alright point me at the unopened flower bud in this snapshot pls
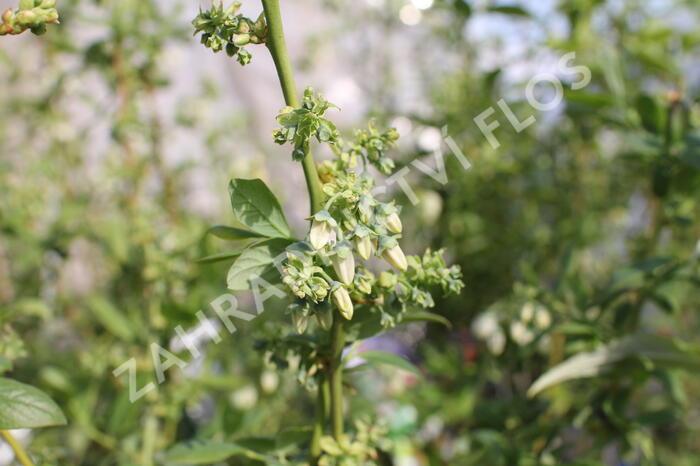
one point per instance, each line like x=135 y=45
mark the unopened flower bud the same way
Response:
x=365 y=208
x=341 y=298
x=387 y=279
x=233 y=8
x=8 y=15
x=26 y=17
x=363 y=284
x=26 y=4
x=364 y=247
x=325 y=318
x=48 y=3
x=244 y=28
x=239 y=40
x=300 y=322
x=393 y=223
x=344 y=263
x=396 y=257
x=321 y=228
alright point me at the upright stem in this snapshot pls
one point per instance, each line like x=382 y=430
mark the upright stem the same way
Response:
x=20 y=454
x=319 y=422
x=278 y=50
x=336 y=376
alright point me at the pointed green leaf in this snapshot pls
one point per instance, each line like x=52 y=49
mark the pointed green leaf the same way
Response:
x=425 y=316
x=256 y=261
x=232 y=233
x=111 y=318
x=390 y=359
x=222 y=256
x=206 y=452
x=23 y=406
x=257 y=208
x=509 y=10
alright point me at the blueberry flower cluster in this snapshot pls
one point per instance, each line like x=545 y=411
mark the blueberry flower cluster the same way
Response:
x=299 y=124
x=224 y=29
x=31 y=14
x=353 y=227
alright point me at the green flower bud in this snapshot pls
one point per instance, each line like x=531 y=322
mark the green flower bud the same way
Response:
x=239 y=40
x=243 y=57
x=387 y=279
x=233 y=8
x=393 y=223
x=396 y=257
x=300 y=321
x=26 y=4
x=344 y=263
x=48 y=3
x=8 y=15
x=243 y=28
x=365 y=208
x=26 y=17
x=342 y=300
x=324 y=318
x=363 y=283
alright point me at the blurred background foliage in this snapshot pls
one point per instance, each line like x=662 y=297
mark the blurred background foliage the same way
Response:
x=118 y=136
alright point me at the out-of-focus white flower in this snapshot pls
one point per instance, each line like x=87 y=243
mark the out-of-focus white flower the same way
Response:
x=542 y=318
x=496 y=342
x=269 y=381
x=485 y=325
x=520 y=333
x=527 y=312
x=245 y=398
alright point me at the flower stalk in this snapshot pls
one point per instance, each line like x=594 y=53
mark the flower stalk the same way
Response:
x=278 y=49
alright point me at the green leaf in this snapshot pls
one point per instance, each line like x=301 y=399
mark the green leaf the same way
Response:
x=256 y=261
x=23 y=406
x=390 y=359
x=5 y=364
x=257 y=208
x=232 y=233
x=262 y=445
x=509 y=10
x=111 y=318
x=206 y=452
x=649 y=113
x=425 y=316
x=654 y=349
x=222 y=256
x=292 y=436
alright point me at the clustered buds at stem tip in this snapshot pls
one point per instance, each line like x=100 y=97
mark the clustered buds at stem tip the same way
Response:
x=341 y=298
x=31 y=14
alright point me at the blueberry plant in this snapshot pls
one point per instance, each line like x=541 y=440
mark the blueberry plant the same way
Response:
x=339 y=291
